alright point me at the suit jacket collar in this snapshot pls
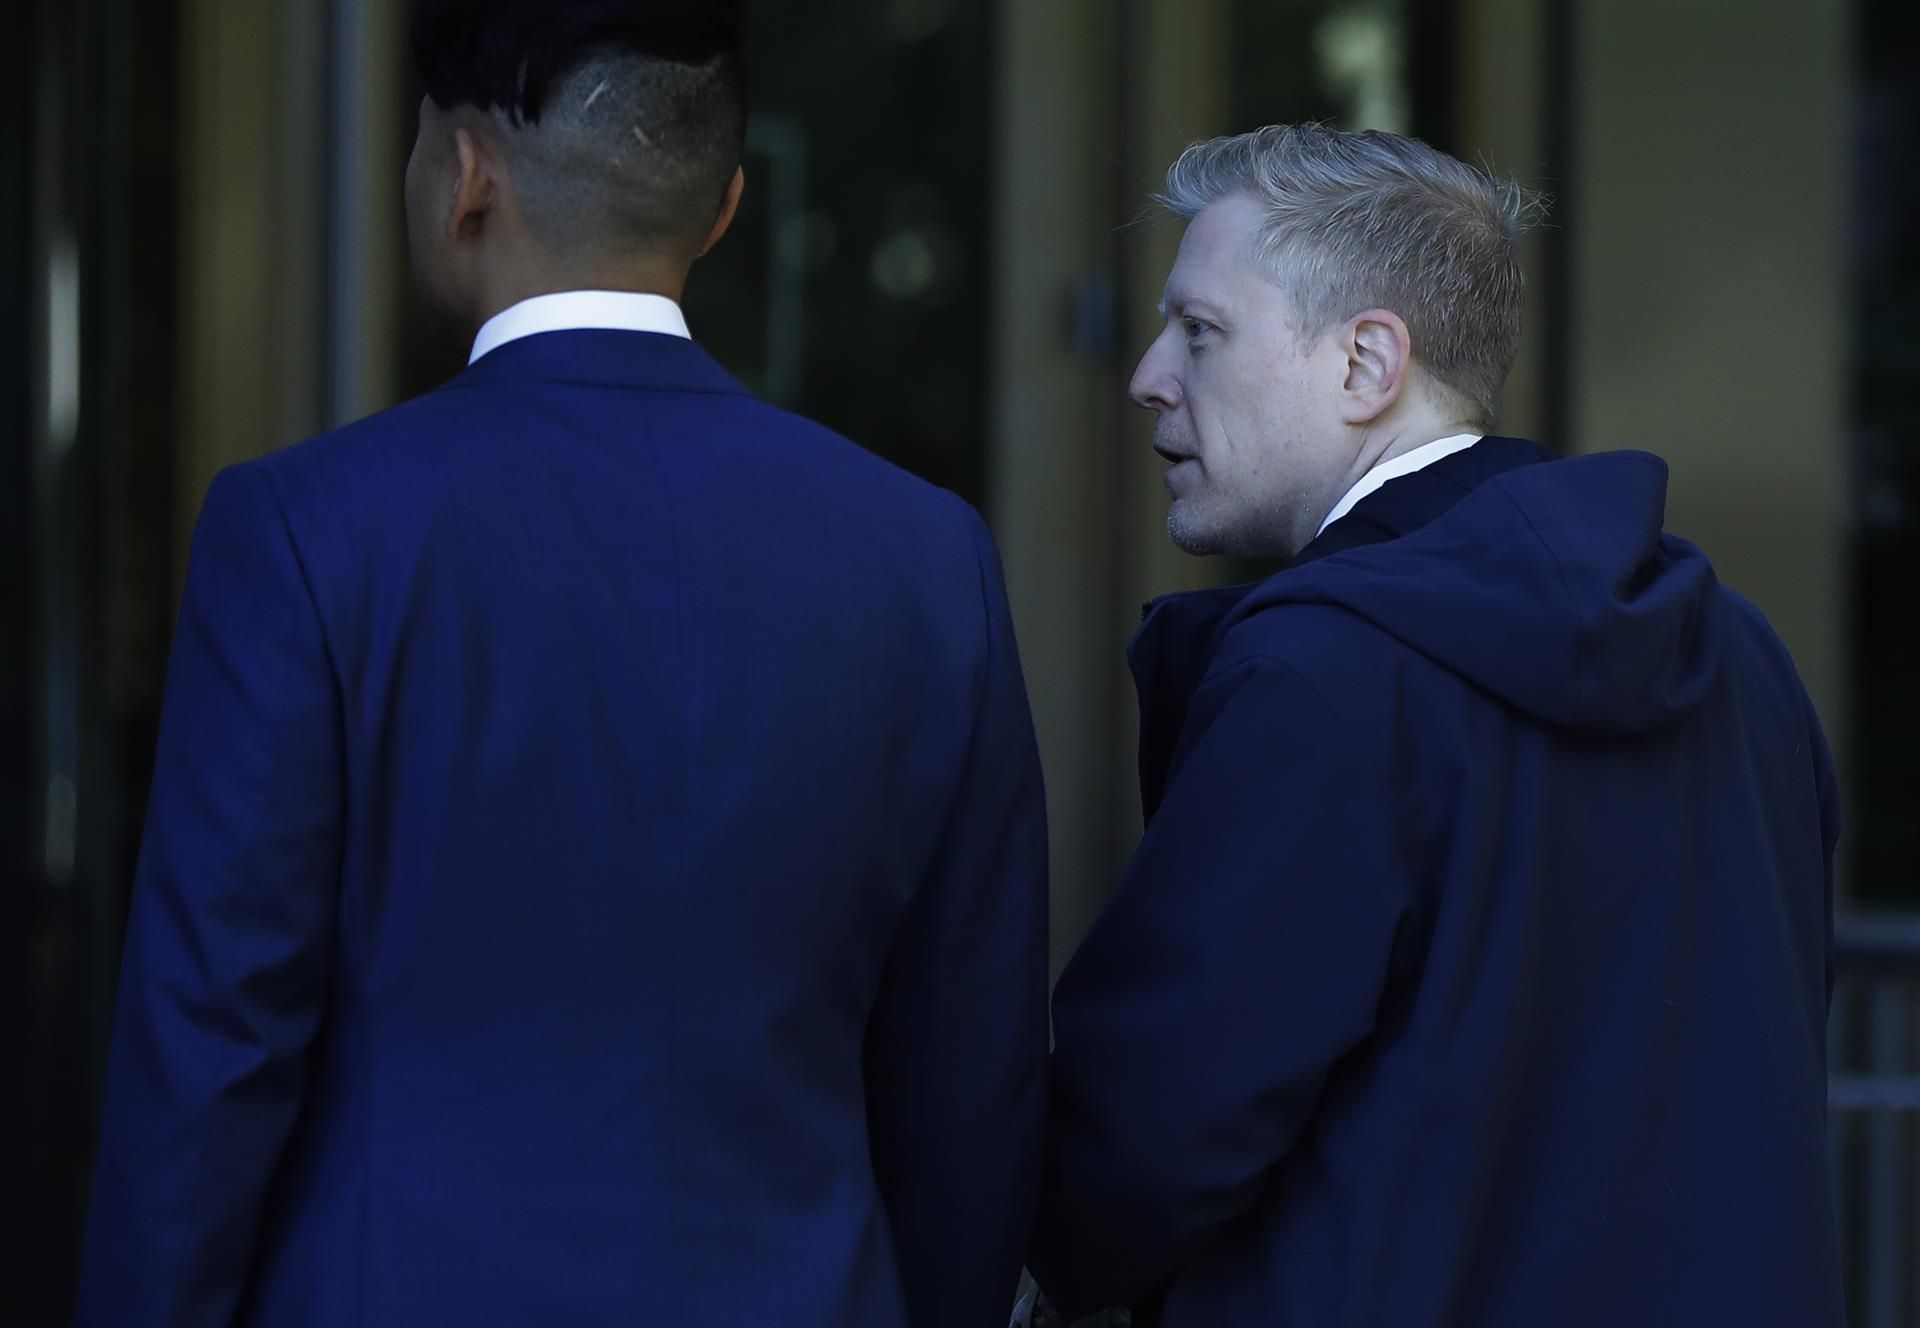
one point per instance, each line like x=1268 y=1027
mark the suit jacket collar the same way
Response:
x=643 y=361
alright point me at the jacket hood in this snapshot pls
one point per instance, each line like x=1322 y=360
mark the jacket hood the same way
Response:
x=1551 y=586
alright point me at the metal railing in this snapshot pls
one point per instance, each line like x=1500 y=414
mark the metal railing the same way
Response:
x=1874 y=1116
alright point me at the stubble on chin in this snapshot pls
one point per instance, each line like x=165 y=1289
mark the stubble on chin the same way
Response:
x=1190 y=532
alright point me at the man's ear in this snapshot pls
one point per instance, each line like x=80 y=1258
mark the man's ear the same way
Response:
x=729 y=207
x=1379 y=356
x=475 y=186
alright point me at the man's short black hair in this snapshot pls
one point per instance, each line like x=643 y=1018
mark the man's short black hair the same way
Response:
x=626 y=118
x=508 y=54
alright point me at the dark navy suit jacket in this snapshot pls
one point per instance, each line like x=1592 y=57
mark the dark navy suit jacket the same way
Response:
x=1474 y=967
x=595 y=875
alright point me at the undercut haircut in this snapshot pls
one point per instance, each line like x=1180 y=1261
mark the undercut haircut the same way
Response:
x=623 y=121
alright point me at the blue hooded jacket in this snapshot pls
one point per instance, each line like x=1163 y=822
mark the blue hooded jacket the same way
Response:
x=1474 y=967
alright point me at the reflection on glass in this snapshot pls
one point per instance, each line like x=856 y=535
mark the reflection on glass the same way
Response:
x=1361 y=55
x=853 y=286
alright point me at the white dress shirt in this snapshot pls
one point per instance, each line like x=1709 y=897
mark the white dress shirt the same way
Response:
x=587 y=310
x=1404 y=464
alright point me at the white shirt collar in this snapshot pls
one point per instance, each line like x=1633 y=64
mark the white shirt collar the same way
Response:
x=1404 y=464
x=586 y=310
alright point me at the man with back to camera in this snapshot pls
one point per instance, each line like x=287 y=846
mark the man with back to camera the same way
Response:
x=1474 y=967
x=596 y=865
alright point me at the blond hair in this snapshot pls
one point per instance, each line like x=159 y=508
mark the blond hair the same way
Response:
x=1367 y=220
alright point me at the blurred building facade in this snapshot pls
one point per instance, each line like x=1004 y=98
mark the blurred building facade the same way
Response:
x=947 y=255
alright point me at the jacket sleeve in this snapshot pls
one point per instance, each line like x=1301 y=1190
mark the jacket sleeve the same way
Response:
x=1244 y=953
x=224 y=975
x=957 y=1046
x=1827 y=786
